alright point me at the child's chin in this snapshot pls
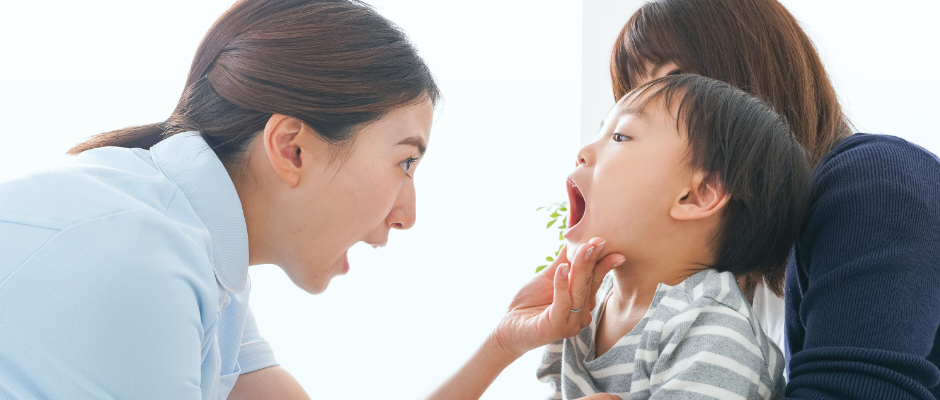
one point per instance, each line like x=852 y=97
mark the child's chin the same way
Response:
x=572 y=249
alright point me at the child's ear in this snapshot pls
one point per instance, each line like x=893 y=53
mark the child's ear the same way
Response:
x=702 y=198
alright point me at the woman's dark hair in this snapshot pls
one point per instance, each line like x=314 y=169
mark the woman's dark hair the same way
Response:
x=333 y=64
x=755 y=45
x=742 y=145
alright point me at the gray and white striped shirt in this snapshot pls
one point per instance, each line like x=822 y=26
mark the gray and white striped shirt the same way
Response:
x=698 y=340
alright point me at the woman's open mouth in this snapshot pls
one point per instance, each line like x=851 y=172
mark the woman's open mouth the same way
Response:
x=575 y=205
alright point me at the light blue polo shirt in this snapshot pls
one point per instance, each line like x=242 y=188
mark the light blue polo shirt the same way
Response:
x=124 y=274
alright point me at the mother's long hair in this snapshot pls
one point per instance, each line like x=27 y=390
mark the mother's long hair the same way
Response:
x=333 y=64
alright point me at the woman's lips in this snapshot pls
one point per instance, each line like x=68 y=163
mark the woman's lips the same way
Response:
x=345 y=264
x=575 y=206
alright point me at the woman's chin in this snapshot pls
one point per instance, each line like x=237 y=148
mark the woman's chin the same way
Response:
x=313 y=286
x=314 y=278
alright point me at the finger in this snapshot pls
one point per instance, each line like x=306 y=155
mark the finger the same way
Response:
x=549 y=271
x=587 y=292
x=562 y=256
x=561 y=300
x=580 y=277
x=601 y=396
x=605 y=265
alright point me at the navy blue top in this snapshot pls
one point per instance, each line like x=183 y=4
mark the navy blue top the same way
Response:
x=863 y=284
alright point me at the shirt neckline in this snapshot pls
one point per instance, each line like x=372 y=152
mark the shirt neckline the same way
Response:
x=188 y=161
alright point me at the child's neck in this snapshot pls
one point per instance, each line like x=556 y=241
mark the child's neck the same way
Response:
x=634 y=286
x=635 y=283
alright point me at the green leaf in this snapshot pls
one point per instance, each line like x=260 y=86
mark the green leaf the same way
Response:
x=555 y=215
x=540 y=268
x=563 y=208
x=550 y=223
x=539 y=209
x=550 y=259
x=561 y=235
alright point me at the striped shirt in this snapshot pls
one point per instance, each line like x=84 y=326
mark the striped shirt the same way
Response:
x=698 y=340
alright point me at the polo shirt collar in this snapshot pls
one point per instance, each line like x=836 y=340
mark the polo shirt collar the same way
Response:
x=188 y=161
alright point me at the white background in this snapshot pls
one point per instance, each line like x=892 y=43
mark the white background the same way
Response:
x=409 y=314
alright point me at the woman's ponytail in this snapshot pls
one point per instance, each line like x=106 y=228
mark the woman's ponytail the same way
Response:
x=333 y=64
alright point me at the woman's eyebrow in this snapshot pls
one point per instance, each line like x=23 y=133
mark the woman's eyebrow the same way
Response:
x=415 y=141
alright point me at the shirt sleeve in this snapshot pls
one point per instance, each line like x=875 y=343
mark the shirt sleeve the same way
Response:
x=717 y=354
x=550 y=369
x=255 y=352
x=868 y=266
x=109 y=308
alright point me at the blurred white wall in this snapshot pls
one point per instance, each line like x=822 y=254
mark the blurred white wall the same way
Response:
x=513 y=76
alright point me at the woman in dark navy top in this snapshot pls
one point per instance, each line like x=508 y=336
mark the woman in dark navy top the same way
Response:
x=863 y=284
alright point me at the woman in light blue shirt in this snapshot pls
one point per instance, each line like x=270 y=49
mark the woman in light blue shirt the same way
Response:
x=124 y=274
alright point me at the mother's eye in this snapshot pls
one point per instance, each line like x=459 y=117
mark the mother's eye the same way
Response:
x=617 y=137
x=675 y=72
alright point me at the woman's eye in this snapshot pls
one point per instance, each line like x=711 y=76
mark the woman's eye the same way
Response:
x=620 y=138
x=675 y=72
x=408 y=163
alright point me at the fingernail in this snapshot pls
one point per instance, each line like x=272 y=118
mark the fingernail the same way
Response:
x=587 y=254
x=618 y=263
x=600 y=246
x=564 y=269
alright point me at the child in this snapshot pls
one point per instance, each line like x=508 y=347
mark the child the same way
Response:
x=694 y=182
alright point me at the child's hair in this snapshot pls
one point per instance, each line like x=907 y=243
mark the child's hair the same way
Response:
x=744 y=146
x=756 y=45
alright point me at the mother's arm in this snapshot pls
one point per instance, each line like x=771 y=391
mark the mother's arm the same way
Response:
x=539 y=315
x=867 y=287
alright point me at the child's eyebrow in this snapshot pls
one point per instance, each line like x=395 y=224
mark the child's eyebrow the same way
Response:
x=629 y=109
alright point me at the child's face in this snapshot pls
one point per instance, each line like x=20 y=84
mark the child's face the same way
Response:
x=626 y=182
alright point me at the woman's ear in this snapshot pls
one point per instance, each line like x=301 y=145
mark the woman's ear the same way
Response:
x=282 y=143
x=703 y=197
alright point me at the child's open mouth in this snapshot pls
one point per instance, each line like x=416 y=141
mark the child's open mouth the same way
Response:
x=575 y=205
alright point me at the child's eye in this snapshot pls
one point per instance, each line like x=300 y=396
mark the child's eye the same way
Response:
x=408 y=163
x=617 y=137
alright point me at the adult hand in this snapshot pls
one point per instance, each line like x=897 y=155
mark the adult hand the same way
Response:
x=541 y=312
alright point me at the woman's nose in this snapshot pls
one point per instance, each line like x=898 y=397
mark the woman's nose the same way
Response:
x=403 y=213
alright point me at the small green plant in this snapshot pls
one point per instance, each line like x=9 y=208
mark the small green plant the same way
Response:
x=557 y=211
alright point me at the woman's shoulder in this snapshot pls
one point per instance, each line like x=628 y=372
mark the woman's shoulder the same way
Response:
x=866 y=156
x=109 y=204
x=93 y=185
